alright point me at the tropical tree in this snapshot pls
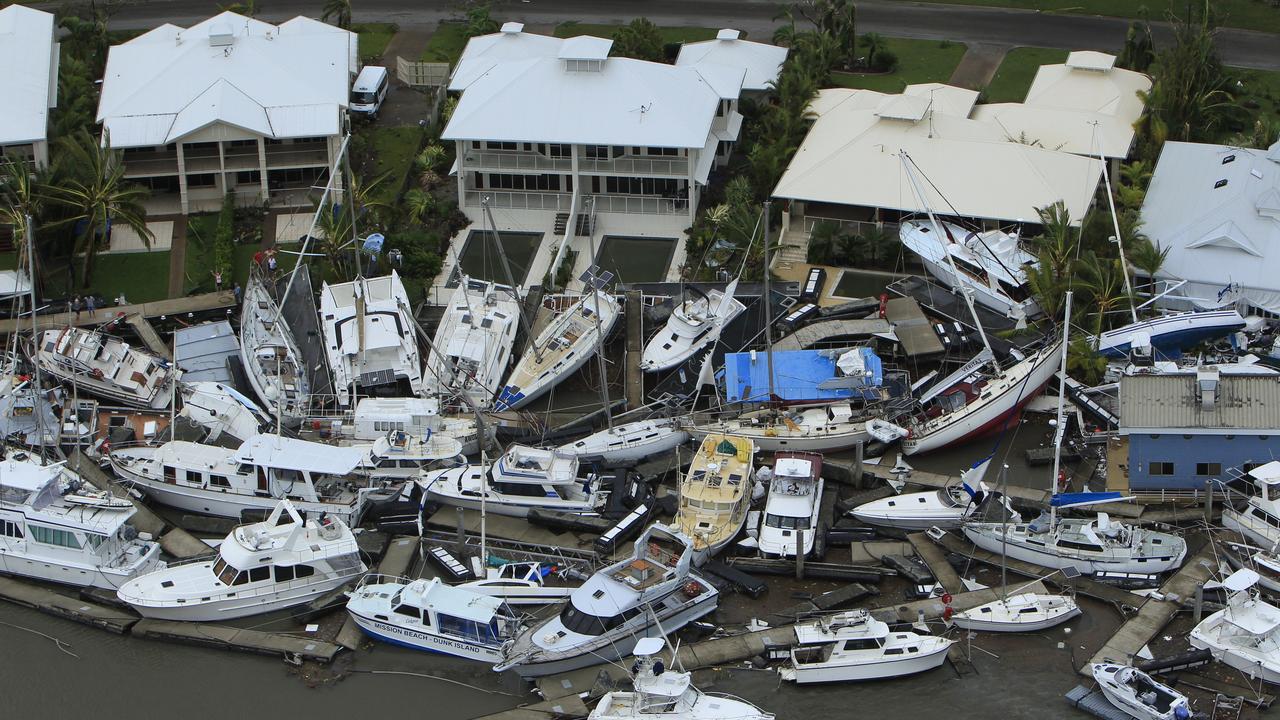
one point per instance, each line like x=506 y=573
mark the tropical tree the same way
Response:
x=339 y=11
x=639 y=39
x=22 y=195
x=825 y=243
x=1102 y=281
x=96 y=195
x=1131 y=189
x=338 y=225
x=837 y=18
x=479 y=20
x=418 y=204
x=1083 y=362
x=1145 y=256
x=87 y=38
x=1139 y=48
x=1264 y=133
x=785 y=35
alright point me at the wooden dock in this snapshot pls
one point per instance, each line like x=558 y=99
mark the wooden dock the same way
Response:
x=71 y=608
x=149 y=336
x=172 y=307
x=933 y=556
x=1155 y=613
x=635 y=349
x=232 y=638
x=913 y=329
x=820 y=331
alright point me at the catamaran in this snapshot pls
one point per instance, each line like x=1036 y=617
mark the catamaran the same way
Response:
x=560 y=349
x=261 y=567
x=270 y=356
x=472 y=345
x=991 y=264
x=53 y=527
x=369 y=338
x=107 y=366
x=694 y=323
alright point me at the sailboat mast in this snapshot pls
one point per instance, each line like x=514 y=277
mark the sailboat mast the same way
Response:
x=1004 y=530
x=768 y=304
x=1058 y=419
x=506 y=269
x=1115 y=225
x=965 y=292
x=35 y=331
x=604 y=378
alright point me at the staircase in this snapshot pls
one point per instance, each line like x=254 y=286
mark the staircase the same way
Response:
x=793 y=249
x=583 y=228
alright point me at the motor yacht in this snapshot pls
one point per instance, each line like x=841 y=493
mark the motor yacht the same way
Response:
x=715 y=494
x=852 y=645
x=694 y=323
x=261 y=567
x=1258 y=517
x=664 y=693
x=793 y=507
x=398 y=455
x=269 y=354
x=369 y=338
x=107 y=366
x=522 y=583
x=472 y=344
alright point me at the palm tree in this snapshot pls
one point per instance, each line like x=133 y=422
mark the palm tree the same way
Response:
x=96 y=195
x=1103 y=281
x=340 y=11
x=419 y=204
x=1059 y=244
x=785 y=35
x=874 y=44
x=21 y=195
x=824 y=243
x=1146 y=256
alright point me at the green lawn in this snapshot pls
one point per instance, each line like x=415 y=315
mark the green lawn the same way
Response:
x=919 y=61
x=373 y=39
x=1013 y=78
x=1261 y=87
x=446 y=43
x=142 y=276
x=393 y=150
x=669 y=34
x=1250 y=14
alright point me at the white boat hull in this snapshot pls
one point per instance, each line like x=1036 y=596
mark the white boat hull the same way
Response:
x=76 y=574
x=248 y=605
x=948 y=521
x=418 y=640
x=1252 y=528
x=1250 y=666
x=817 y=441
x=1052 y=560
x=807 y=674
x=616 y=448
x=1005 y=622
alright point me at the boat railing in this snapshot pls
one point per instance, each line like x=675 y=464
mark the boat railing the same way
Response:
x=376 y=578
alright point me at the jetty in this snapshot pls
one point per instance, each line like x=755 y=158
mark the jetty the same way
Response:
x=913 y=329
x=75 y=609
x=173 y=307
x=823 y=331
x=232 y=638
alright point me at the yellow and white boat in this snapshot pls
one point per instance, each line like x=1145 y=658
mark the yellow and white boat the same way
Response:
x=715 y=494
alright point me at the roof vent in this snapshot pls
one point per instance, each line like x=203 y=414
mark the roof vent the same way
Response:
x=728 y=34
x=512 y=28
x=1229 y=158
x=1220 y=184
x=1207 y=387
x=221 y=35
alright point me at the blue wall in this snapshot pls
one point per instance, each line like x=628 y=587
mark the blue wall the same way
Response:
x=1186 y=451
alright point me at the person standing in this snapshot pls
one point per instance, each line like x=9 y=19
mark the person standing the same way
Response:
x=91 y=303
x=271 y=262
x=217 y=280
x=238 y=292
x=75 y=307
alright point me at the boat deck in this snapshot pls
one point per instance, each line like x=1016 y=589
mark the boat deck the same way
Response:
x=640 y=574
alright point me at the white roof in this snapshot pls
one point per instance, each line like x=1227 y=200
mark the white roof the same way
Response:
x=625 y=102
x=14 y=282
x=29 y=83
x=290 y=454
x=1218 y=235
x=851 y=157
x=290 y=80
x=760 y=62
x=485 y=51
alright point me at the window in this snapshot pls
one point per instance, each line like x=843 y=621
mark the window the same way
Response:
x=559 y=151
x=53 y=536
x=501 y=145
x=585 y=623
x=787 y=522
x=600 y=152
x=219 y=481
x=470 y=629
x=259 y=574
x=667 y=187
x=1160 y=469
x=202 y=180
x=862 y=644
x=302 y=571
x=662 y=151
x=408 y=611
x=169 y=474
x=1209 y=469
x=1073 y=545
x=524 y=182
x=11 y=529
x=245 y=177
x=284 y=573
x=192 y=477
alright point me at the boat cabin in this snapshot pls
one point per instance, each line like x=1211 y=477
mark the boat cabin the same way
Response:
x=447 y=611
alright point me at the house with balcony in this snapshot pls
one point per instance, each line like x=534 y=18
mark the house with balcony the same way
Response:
x=570 y=148
x=29 y=83
x=230 y=105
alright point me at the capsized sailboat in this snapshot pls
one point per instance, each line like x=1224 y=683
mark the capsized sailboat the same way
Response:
x=559 y=350
x=990 y=264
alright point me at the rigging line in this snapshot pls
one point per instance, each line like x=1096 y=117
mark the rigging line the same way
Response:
x=435 y=677
x=60 y=644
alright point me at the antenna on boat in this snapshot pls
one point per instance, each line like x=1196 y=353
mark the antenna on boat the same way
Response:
x=1058 y=417
x=506 y=269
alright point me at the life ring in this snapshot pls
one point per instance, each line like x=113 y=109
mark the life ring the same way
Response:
x=96 y=374
x=692 y=589
x=946 y=598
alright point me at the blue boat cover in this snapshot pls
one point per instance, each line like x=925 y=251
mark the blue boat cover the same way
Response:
x=1083 y=498
x=796 y=375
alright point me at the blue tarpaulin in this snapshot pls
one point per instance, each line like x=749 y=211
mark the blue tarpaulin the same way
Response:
x=1083 y=498
x=797 y=375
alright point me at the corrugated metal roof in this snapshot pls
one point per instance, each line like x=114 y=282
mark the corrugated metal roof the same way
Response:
x=1245 y=402
x=202 y=351
x=27 y=54
x=760 y=61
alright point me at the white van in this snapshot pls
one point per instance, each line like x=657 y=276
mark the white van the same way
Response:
x=369 y=91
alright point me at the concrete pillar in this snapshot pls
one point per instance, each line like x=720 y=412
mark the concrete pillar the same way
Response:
x=574 y=152
x=182 y=179
x=335 y=144
x=222 y=166
x=40 y=153
x=460 y=151
x=262 y=169
x=692 y=156
x=800 y=554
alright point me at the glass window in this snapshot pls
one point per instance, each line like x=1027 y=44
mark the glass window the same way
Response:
x=53 y=536
x=284 y=573
x=408 y=611
x=302 y=571
x=1163 y=469
x=219 y=481
x=259 y=574
x=1209 y=469
x=787 y=522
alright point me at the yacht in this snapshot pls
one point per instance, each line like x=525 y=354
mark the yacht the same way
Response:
x=261 y=567
x=398 y=455
x=1139 y=695
x=376 y=416
x=693 y=324
x=54 y=528
x=663 y=693
x=629 y=443
x=652 y=593
x=945 y=508
x=1258 y=518
x=852 y=645
x=794 y=505
x=228 y=482
x=1021 y=612
x=715 y=494
x=1246 y=633
x=1169 y=334
x=472 y=345
x=428 y=615
x=522 y=479
x=560 y=349
x=272 y=363
x=222 y=411
x=991 y=264
x=369 y=338
x=106 y=366
x=1264 y=562
x=1088 y=545
x=813 y=428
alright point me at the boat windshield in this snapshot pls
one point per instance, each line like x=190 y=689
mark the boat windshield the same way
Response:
x=228 y=574
x=787 y=522
x=950 y=497
x=584 y=623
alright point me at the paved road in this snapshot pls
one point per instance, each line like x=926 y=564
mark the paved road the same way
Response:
x=889 y=17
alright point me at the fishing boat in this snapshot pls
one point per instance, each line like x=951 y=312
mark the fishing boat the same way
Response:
x=222 y=411
x=1264 y=562
x=269 y=354
x=55 y=528
x=560 y=349
x=1246 y=633
x=1018 y=613
x=399 y=455
x=1169 y=334
x=472 y=344
x=264 y=469
x=944 y=508
x=629 y=443
x=791 y=513
x=521 y=583
x=651 y=593
x=852 y=645
x=694 y=323
x=991 y=264
x=1258 y=517
x=429 y=615
x=369 y=338
x=811 y=428
x=281 y=562
x=715 y=494
x=522 y=479
x=1138 y=694
x=107 y=366
x=664 y=693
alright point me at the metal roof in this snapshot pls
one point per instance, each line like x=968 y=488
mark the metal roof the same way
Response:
x=202 y=351
x=760 y=61
x=29 y=84
x=1172 y=402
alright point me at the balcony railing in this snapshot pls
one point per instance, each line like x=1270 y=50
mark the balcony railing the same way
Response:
x=520 y=200
x=476 y=160
x=640 y=204
x=298 y=156
x=150 y=164
x=674 y=167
